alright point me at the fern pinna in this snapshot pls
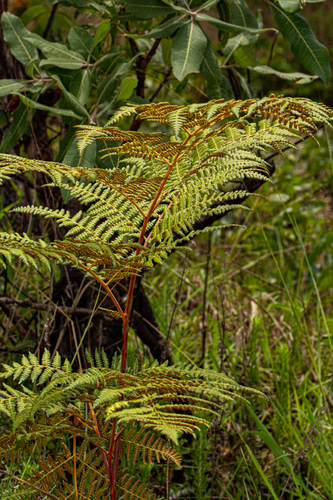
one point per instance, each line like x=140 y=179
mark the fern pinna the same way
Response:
x=132 y=217
x=102 y=407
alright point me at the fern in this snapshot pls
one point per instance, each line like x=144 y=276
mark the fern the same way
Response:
x=132 y=216
x=167 y=184
x=124 y=405
x=136 y=441
x=130 y=488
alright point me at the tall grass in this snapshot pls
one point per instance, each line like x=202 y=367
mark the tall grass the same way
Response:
x=268 y=322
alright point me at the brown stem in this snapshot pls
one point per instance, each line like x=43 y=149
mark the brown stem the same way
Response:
x=204 y=321
x=112 y=479
x=140 y=69
x=96 y=429
x=126 y=313
x=74 y=460
x=106 y=288
x=161 y=85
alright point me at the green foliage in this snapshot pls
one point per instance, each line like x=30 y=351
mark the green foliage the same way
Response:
x=164 y=398
x=307 y=49
x=140 y=212
x=137 y=213
x=165 y=47
x=273 y=335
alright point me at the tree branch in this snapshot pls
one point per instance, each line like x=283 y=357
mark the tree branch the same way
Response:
x=140 y=69
x=39 y=306
x=50 y=21
x=161 y=85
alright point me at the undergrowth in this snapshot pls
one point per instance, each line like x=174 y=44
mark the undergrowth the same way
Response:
x=155 y=212
x=268 y=318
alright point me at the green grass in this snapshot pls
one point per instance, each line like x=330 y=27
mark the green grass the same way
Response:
x=269 y=324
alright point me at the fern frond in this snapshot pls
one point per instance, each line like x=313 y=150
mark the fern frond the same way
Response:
x=130 y=488
x=144 y=442
x=122 y=112
x=38 y=372
x=12 y=494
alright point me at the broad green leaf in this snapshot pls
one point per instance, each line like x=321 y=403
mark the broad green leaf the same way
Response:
x=297 y=31
x=3 y=119
x=188 y=49
x=109 y=161
x=247 y=88
x=147 y=9
x=80 y=86
x=290 y=6
x=223 y=10
x=210 y=68
x=213 y=92
x=73 y=158
x=60 y=62
x=102 y=30
x=65 y=143
x=9 y=86
x=73 y=102
x=166 y=50
x=54 y=50
x=259 y=19
x=109 y=84
x=22 y=117
x=66 y=75
x=33 y=12
x=99 y=7
x=299 y=77
x=209 y=4
x=241 y=14
x=14 y=34
x=80 y=41
x=224 y=26
x=30 y=68
x=110 y=61
x=126 y=88
x=36 y=105
x=226 y=90
x=315 y=1
x=166 y=29
x=246 y=56
x=106 y=90
x=234 y=43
